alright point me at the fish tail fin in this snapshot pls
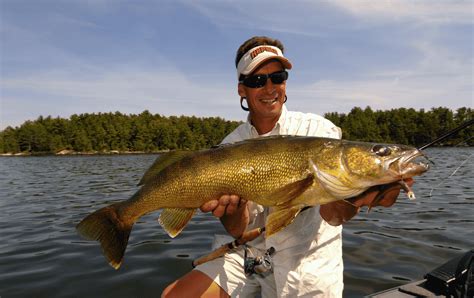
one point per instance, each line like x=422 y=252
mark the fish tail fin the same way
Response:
x=106 y=226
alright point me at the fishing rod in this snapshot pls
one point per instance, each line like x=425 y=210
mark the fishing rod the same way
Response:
x=448 y=134
x=246 y=237
x=253 y=234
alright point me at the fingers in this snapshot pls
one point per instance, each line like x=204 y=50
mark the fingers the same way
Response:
x=220 y=209
x=389 y=197
x=380 y=196
x=225 y=205
x=209 y=206
x=337 y=213
x=366 y=198
x=409 y=181
x=233 y=204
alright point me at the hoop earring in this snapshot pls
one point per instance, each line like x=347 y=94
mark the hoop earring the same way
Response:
x=286 y=98
x=242 y=104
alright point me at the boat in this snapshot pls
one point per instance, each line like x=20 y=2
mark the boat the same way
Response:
x=455 y=278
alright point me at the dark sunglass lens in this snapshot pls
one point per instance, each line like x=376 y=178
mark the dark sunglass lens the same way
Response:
x=255 y=81
x=279 y=77
x=258 y=81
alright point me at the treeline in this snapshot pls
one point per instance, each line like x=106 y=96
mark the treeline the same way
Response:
x=104 y=132
x=405 y=126
x=146 y=132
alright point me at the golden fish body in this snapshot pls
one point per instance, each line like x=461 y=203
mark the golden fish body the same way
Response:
x=286 y=173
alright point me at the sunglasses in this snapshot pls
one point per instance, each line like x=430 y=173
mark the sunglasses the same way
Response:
x=258 y=81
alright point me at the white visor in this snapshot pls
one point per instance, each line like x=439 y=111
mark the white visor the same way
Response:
x=256 y=56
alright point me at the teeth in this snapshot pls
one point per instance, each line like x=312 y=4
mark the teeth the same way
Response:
x=269 y=100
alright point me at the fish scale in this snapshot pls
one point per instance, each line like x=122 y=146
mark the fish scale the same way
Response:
x=286 y=173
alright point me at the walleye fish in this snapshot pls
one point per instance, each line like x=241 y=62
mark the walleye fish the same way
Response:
x=286 y=173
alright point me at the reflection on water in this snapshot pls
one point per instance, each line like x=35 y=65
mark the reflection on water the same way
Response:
x=43 y=198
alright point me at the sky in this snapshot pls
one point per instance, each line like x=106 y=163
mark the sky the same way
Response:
x=173 y=57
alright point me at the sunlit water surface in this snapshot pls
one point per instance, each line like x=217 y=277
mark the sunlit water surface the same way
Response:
x=43 y=198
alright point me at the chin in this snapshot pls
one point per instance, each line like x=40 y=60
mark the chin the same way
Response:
x=274 y=110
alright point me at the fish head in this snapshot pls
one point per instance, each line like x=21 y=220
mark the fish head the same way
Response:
x=368 y=164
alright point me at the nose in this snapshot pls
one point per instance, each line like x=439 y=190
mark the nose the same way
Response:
x=269 y=87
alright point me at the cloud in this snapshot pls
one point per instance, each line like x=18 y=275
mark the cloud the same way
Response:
x=433 y=11
x=384 y=91
x=290 y=18
x=63 y=20
x=385 y=54
x=126 y=90
x=440 y=77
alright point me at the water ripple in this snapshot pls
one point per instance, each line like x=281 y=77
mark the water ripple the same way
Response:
x=43 y=198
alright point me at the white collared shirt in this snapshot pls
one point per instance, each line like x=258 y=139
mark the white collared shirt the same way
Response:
x=308 y=258
x=289 y=123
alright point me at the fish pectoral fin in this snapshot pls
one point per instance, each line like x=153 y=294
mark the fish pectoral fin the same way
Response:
x=161 y=163
x=333 y=185
x=173 y=220
x=287 y=193
x=280 y=218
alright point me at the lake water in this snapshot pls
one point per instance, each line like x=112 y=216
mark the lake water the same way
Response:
x=43 y=198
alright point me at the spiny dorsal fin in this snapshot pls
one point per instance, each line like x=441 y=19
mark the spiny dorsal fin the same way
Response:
x=173 y=220
x=162 y=162
x=280 y=218
x=256 y=140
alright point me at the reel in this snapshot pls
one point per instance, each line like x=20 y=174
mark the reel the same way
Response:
x=261 y=265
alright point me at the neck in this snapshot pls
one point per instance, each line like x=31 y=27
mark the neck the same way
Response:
x=263 y=125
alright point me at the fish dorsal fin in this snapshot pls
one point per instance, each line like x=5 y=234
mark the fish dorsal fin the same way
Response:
x=162 y=162
x=259 y=139
x=289 y=192
x=280 y=218
x=173 y=220
x=333 y=185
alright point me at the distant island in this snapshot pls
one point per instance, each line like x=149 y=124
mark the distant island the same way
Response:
x=117 y=133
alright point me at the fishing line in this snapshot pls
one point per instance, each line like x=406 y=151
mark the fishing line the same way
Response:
x=431 y=192
x=448 y=134
x=445 y=136
x=463 y=141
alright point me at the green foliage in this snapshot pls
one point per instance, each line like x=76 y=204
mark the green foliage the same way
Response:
x=105 y=132
x=405 y=126
x=146 y=132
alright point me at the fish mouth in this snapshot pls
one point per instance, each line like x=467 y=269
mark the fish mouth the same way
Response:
x=411 y=164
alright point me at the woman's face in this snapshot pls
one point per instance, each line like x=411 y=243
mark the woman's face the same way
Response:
x=265 y=103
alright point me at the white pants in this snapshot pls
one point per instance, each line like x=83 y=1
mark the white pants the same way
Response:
x=228 y=273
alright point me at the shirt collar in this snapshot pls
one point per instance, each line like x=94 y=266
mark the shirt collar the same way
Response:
x=276 y=130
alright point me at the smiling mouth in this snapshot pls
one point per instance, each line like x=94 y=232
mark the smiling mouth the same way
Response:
x=269 y=101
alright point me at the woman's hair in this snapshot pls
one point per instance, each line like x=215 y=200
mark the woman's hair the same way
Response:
x=255 y=42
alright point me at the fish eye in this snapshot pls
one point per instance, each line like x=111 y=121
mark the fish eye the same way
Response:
x=381 y=150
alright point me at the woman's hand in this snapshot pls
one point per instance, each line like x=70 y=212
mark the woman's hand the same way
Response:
x=339 y=212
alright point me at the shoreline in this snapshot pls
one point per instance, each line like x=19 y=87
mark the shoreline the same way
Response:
x=112 y=152
x=79 y=153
